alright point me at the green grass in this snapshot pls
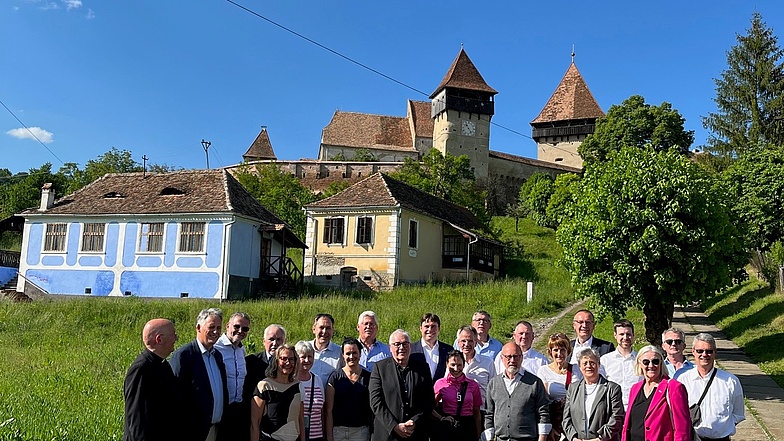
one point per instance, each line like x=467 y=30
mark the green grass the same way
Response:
x=752 y=315
x=64 y=360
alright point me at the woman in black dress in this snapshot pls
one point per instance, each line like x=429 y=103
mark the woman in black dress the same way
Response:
x=277 y=410
x=348 y=413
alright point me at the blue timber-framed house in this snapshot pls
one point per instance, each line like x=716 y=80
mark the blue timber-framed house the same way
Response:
x=195 y=233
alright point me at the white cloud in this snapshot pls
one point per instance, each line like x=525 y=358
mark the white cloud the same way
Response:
x=49 y=6
x=72 y=4
x=90 y=14
x=44 y=136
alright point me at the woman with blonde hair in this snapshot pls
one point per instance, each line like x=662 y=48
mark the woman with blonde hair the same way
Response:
x=557 y=376
x=658 y=406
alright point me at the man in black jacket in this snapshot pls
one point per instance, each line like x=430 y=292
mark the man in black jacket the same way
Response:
x=201 y=378
x=583 y=324
x=150 y=390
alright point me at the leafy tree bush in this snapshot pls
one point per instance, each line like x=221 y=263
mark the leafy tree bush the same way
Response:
x=534 y=196
x=562 y=199
x=649 y=229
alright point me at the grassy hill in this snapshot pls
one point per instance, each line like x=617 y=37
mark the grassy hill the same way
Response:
x=64 y=360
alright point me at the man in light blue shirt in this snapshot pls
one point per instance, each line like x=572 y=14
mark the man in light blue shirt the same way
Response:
x=674 y=343
x=234 y=423
x=372 y=349
x=486 y=346
x=326 y=354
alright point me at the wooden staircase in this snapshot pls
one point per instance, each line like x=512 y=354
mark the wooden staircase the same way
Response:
x=280 y=276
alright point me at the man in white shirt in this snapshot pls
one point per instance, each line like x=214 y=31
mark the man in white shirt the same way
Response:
x=486 y=346
x=477 y=367
x=230 y=346
x=584 y=324
x=674 y=343
x=619 y=364
x=326 y=352
x=429 y=349
x=723 y=407
x=523 y=335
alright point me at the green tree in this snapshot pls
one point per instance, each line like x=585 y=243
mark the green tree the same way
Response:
x=113 y=161
x=756 y=185
x=749 y=95
x=562 y=199
x=448 y=177
x=649 y=229
x=25 y=191
x=634 y=123
x=279 y=192
x=534 y=195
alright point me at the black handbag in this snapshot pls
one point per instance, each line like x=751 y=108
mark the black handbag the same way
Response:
x=694 y=409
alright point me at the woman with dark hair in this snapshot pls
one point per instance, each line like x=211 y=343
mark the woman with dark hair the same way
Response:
x=348 y=416
x=458 y=400
x=276 y=410
x=594 y=405
x=658 y=406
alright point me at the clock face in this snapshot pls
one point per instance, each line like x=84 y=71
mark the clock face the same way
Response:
x=469 y=128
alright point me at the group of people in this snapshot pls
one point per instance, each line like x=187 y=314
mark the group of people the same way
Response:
x=475 y=389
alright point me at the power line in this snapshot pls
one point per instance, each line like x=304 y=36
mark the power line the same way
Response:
x=363 y=65
x=31 y=132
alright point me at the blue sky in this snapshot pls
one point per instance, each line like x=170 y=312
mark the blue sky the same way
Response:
x=155 y=77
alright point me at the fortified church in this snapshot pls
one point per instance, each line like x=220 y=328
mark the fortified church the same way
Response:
x=456 y=120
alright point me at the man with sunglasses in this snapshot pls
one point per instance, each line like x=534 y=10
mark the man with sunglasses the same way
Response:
x=674 y=343
x=235 y=417
x=722 y=406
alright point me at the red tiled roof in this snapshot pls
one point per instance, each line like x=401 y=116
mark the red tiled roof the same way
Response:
x=463 y=75
x=261 y=148
x=363 y=130
x=379 y=190
x=571 y=100
x=419 y=112
x=181 y=192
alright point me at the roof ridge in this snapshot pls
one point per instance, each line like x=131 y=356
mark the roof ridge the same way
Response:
x=225 y=181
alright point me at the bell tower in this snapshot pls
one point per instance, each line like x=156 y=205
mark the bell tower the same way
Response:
x=461 y=107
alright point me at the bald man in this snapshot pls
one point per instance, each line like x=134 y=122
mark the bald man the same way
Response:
x=150 y=389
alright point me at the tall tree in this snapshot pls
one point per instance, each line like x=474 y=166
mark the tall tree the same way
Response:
x=448 y=177
x=25 y=190
x=279 y=192
x=636 y=124
x=749 y=95
x=649 y=229
x=534 y=196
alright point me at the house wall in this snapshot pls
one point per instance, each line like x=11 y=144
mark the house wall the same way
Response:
x=375 y=263
x=327 y=152
x=422 y=263
x=6 y=274
x=560 y=150
x=121 y=268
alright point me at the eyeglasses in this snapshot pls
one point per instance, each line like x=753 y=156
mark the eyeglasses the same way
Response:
x=583 y=322
x=481 y=320
x=401 y=344
x=654 y=361
x=512 y=357
x=673 y=342
x=705 y=351
x=241 y=328
x=288 y=359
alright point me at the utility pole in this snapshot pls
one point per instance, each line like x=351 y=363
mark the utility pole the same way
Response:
x=144 y=161
x=206 y=145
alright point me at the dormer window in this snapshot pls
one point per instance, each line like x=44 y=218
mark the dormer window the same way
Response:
x=172 y=191
x=113 y=195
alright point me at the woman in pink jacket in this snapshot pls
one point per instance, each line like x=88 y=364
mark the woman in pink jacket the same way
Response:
x=658 y=407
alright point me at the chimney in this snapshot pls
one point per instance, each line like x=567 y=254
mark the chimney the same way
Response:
x=47 y=197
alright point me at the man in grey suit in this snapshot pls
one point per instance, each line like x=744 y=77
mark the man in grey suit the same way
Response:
x=517 y=402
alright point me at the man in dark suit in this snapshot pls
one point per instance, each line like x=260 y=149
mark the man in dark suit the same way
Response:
x=201 y=378
x=401 y=394
x=429 y=349
x=583 y=324
x=274 y=336
x=150 y=390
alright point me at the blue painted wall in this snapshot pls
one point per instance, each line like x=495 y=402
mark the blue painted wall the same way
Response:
x=169 y=283
x=7 y=274
x=72 y=281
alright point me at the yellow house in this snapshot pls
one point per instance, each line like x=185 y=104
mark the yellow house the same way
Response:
x=380 y=233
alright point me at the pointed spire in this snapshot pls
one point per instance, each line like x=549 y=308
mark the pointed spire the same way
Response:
x=571 y=100
x=261 y=148
x=463 y=75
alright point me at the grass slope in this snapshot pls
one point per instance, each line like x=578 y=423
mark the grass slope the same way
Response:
x=64 y=360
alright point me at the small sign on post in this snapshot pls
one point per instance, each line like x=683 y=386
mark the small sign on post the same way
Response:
x=530 y=291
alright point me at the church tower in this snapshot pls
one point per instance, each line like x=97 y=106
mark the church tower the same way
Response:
x=566 y=120
x=461 y=107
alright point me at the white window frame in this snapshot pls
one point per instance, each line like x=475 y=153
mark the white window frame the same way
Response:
x=372 y=238
x=343 y=237
x=99 y=236
x=181 y=233
x=146 y=234
x=63 y=237
x=416 y=222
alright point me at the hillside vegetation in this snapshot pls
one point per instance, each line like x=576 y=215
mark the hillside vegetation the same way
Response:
x=65 y=360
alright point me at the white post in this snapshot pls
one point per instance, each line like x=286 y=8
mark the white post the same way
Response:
x=530 y=291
